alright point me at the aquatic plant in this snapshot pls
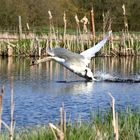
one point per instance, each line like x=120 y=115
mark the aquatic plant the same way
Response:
x=122 y=44
x=99 y=127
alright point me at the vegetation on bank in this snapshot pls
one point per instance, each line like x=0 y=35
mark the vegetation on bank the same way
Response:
x=120 y=44
x=99 y=127
x=73 y=32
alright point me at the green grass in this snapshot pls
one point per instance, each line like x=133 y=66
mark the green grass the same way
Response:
x=99 y=127
x=46 y=30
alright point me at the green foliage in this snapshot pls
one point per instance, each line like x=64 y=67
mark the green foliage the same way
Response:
x=99 y=127
x=36 y=12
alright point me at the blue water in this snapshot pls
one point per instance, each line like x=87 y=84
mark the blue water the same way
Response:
x=39 y=91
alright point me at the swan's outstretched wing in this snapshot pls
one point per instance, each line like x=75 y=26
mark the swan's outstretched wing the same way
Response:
x=68 y=56
x=92 y=51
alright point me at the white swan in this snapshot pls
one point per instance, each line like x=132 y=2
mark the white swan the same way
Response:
x=77 y=63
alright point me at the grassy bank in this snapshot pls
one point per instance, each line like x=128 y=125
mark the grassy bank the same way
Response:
x=98 y=128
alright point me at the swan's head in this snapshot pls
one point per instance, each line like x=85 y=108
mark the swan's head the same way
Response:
x=86 y=73
x=83 y=72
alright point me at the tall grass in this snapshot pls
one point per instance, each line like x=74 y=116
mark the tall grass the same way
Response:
x=98 y=128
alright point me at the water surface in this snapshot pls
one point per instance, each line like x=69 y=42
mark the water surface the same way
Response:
x=39 y=91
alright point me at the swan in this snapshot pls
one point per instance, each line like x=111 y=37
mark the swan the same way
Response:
x=77 y=63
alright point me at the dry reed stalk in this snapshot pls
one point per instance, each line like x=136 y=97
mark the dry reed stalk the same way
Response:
x=123 y=43
x=52 y=30
x=115 y=118
x=106 y=24
x=1 y=107
x=50 y=18
x=1 y=121
x=82 y=43
x=79 y=35
x=92 y=25
x=68 y=44
x=103 y=15
x=85 y=21
x=10 y=44
x=129 y=40
x=47 y=45
x=27 y=26
x=50 y=42
x=12 y=110
x=7 y=49
x=58 y=134
x=10 y=51
x=111 y=42
x=31 y=47
x=127 y=35
x=65 y=27
x=98 y=135
x=63 y=118
x=105 y=21
x=70 y=47
x=20 y=27
x=78 y=25
x=39 y=50
x=125 y=18
x=6 y=125
x=12 y=124
x=132 y=44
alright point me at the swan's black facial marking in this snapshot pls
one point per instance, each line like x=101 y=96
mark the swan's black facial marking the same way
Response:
x=85 y=72
x=86 y=76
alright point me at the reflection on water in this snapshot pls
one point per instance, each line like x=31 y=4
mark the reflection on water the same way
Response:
x=40 y=90
x=123 y=67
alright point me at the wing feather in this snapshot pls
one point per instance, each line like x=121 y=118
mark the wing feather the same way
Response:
x=92 y=51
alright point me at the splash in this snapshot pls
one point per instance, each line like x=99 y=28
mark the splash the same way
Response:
x=110 y=78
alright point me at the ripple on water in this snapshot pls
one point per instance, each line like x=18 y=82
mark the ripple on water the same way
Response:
x=39 y=94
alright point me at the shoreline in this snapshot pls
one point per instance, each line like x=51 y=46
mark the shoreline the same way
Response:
x=124 y=44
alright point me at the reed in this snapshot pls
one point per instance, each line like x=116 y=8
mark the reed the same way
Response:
x=10 y=127
x=99 y=127
x=93 y=25
x=115 y=118
x=1 y=105
x=23 y=43
x=65 y=26
x=122 y=44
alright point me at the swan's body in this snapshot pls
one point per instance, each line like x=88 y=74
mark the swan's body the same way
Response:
x=77 y=63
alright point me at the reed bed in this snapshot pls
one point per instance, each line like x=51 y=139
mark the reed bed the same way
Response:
x=98 y=128
x=33 y=43
x=120 y=44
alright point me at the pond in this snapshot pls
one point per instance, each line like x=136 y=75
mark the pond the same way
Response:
x=39 y=91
